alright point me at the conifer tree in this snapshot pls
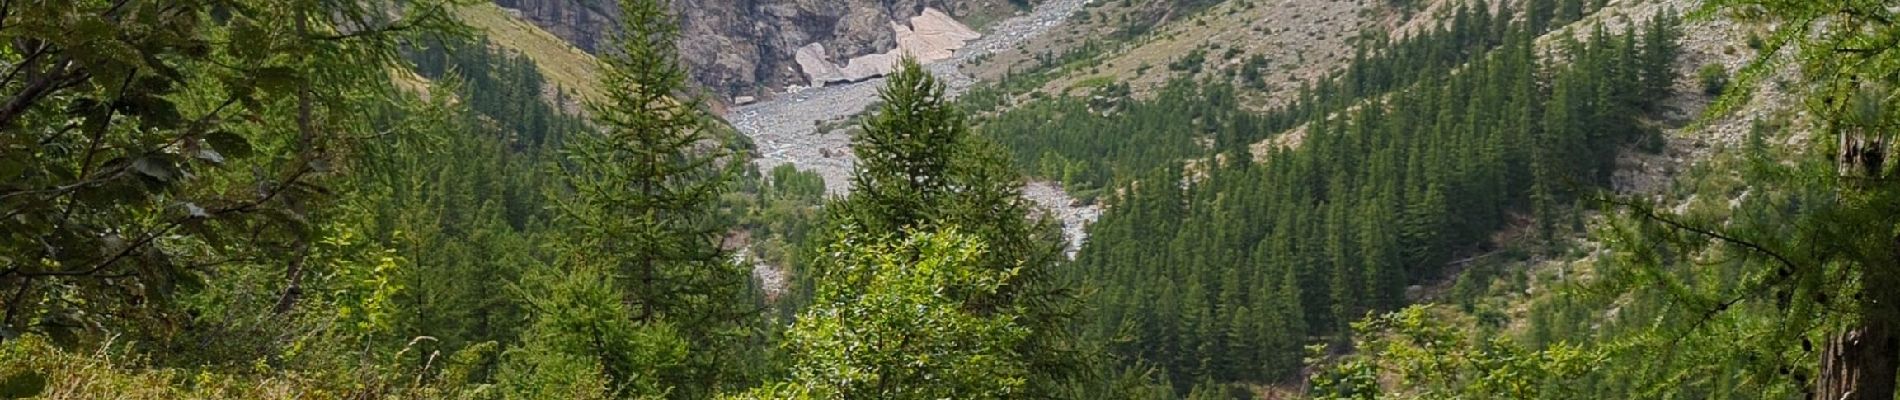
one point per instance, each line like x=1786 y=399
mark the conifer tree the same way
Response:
x=920 y=168
x=1817 y=231
x=643 y=192
x=1661 y=45
x=905 y=151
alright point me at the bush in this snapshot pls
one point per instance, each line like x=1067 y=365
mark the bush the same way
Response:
x=1191 y=63
x=1714 y=79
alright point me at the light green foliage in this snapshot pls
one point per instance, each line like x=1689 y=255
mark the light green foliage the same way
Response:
x=581 y=344
x=33 y=367
x=365 y=288
x=1435 y=353
x=890 y=321
x=1791 y=282
x=922 y=171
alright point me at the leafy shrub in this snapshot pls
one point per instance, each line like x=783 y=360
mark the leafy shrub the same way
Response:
x=1190 y=63
x=1714 y=79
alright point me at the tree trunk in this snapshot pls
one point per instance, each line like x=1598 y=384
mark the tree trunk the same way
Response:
x=293 y=279
x=306 y=139
x=1858 y=365
x=1861 y=364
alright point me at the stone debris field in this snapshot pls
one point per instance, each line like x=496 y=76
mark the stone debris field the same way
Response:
x=786 y=128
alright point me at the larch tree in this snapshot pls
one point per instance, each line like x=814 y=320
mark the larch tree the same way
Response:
x=1820 y=229
x=642 y=199
x=140 y=143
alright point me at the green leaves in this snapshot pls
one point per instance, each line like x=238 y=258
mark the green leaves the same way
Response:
x=581 y=344
x=276 y=79
x=892 y=321
x=229 y=144
x=1433 y=352
x=155 y=166
x=22 y=384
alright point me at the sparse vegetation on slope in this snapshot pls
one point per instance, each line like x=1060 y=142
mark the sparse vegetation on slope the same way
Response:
x=568 y=67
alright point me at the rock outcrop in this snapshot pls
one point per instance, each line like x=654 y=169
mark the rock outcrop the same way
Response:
x=930 y=37
x=751 y=47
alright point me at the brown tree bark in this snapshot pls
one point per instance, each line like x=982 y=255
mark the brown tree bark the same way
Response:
x=1861 y=363
x=1858 y=365
x=306 y=142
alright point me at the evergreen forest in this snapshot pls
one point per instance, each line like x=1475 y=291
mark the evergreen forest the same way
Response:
x=1503 y=199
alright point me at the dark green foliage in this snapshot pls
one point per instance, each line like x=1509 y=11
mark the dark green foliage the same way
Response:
x=641 y=201
x=1659 y=53
x=1228 y=276
x=1099 y=147
x=505 y=88
x=1713 y=78
x=1094 y=145
x=144 y=153
x=905 y=152
x=22 y=385
x=231 y=200
x=1190 y=63
x=1252 y=73
x=461 y=217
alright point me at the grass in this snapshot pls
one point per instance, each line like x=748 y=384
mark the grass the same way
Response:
x=33 y=367
x=566 y=66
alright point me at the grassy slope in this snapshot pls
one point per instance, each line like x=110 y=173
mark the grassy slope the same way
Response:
x=566 y=66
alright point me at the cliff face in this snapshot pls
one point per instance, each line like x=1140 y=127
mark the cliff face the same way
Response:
x=748 y=47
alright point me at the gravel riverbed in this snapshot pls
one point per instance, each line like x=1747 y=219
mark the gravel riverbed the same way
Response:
x=786 y=128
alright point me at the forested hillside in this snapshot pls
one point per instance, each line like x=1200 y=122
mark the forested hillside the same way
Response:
x=1420 y=153
x=1553 y=199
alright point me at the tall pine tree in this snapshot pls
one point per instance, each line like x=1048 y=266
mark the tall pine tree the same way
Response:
x=643 y=199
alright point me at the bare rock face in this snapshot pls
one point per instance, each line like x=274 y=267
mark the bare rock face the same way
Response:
x=749 y=47
x=929 y=37
x=585 y=23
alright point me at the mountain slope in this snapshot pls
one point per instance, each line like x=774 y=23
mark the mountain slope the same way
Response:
x=565 y=65
x=747 y=47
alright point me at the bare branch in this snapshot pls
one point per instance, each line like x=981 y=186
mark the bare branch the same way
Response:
x=1651 y=214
